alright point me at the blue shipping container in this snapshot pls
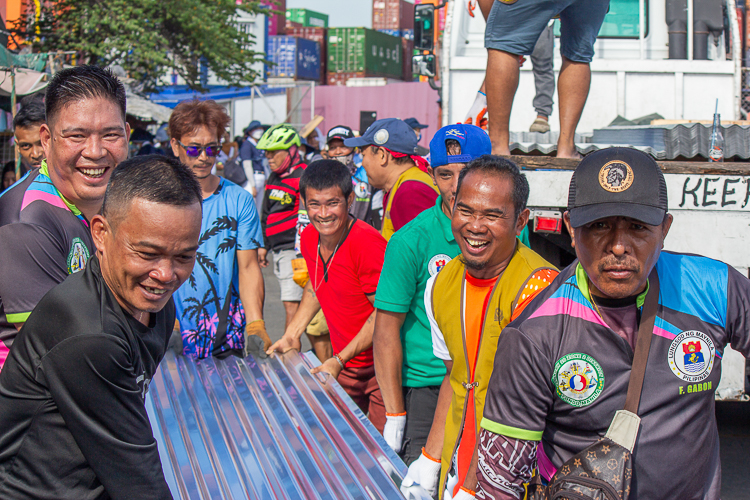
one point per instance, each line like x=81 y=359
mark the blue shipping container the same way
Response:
x=294 y=57
x=393 y=32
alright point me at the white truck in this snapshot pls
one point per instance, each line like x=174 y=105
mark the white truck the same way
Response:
x=632 y=75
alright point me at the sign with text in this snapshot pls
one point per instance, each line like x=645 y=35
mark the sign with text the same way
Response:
x=708 y=192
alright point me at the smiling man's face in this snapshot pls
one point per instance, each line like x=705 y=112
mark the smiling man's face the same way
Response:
x=484 y=223
x=618 y=253
x=83 y=143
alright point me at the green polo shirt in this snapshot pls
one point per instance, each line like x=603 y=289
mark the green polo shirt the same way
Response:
x=414 y=253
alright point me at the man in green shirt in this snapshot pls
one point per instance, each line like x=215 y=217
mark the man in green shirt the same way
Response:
x=408 y=372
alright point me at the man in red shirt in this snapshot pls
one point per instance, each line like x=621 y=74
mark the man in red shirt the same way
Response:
x=344 y=257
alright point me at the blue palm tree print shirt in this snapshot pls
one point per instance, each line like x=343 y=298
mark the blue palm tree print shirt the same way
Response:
x=208 y=323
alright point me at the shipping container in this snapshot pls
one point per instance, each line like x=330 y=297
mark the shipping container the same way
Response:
x=341 y=78
x=317 y=35
x=362 y=50
x=292 y=25
x=294 y=57
x=392 y=14
x=408 y=46
x=277 y=20
x=309 y=18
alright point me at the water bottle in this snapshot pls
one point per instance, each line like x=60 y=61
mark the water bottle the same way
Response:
x=716 y=151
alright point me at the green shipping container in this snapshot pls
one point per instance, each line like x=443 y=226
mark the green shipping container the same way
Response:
x=307 y=17
x=364 y=50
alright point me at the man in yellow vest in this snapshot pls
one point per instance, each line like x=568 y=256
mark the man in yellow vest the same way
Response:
x=389 y=156
x=468 y=304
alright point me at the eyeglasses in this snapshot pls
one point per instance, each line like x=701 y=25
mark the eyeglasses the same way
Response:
x=195 y=151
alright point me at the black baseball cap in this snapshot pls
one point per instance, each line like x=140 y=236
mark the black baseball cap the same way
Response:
x=617 y=182
x=339 y=132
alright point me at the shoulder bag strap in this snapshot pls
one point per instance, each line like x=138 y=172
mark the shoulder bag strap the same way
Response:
x=645 y=333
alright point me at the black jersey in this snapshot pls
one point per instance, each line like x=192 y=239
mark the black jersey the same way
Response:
x=43 y=239
x=72 y=391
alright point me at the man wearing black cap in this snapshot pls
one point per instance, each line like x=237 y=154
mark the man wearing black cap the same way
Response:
x=562 y=368
x=389 y=156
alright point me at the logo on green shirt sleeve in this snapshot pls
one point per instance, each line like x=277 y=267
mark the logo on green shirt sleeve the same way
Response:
x=78 y=256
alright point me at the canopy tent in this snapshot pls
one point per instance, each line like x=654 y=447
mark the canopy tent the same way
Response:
x=27 y=81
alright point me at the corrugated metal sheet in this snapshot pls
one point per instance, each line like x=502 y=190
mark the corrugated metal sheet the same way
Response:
x=663 y=142
x=265 y=429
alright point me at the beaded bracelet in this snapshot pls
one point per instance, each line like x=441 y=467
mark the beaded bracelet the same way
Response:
x=338 y=358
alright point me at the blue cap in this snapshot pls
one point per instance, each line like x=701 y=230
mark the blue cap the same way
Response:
x=414 y=123
x=390 y=133
x=473 y=140
x=252 y=126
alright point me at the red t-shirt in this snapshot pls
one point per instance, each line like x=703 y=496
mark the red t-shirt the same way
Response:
x=410 y=199
x=353 y=273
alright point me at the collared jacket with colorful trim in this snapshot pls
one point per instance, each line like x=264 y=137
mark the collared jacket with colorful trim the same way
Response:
x=561 y=374
x=447 y=307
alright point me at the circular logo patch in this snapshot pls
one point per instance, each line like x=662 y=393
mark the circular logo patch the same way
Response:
x=579 y=379
x=360 y=190
x=381 y=137
x=691 y=356
x=78 y=256
x=437 y=263
x=616 y=176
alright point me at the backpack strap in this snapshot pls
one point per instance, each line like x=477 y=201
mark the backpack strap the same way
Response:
x=645 y=334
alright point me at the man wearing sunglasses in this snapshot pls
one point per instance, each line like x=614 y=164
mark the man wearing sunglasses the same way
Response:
x=221 y=305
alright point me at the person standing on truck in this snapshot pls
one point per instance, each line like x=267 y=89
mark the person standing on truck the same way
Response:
x=409 y=374
x=72 y=391
x=281 y=206
x=512 y=31
x=221 y=306
x=389 y=156
x=468 y=303
x=344 y=256
x=26 y=127
x=617 y=217
x=44 y=219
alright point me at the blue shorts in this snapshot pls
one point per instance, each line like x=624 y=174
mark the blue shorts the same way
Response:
x=515 y=27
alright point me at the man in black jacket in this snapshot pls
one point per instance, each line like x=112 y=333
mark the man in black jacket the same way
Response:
x=73 y=388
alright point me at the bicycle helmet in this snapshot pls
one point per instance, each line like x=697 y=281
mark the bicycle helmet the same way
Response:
x=278 y=137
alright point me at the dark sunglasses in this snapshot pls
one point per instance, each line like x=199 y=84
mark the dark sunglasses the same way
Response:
x=195 y=151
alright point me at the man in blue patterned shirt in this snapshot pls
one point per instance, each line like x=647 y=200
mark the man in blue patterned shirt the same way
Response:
x=221 y=304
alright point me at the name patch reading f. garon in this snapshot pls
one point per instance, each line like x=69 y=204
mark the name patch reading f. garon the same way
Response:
x=579 y=379
x=616 y=176
x=691 y=356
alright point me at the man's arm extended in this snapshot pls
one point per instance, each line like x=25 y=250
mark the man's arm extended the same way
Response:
x=308 y=308
x=93 y=381
x=358 y=344
x=252 y=294
x=388 y=357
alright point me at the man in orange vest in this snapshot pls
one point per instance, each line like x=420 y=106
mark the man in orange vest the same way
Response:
x=389 y=156
x=468 y=303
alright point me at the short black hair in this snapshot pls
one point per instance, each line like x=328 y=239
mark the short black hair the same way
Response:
x=324 y=174
x=155 y=178
x=9 y=166
x=501 y=167
x=82 y=82
x=30 y=114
